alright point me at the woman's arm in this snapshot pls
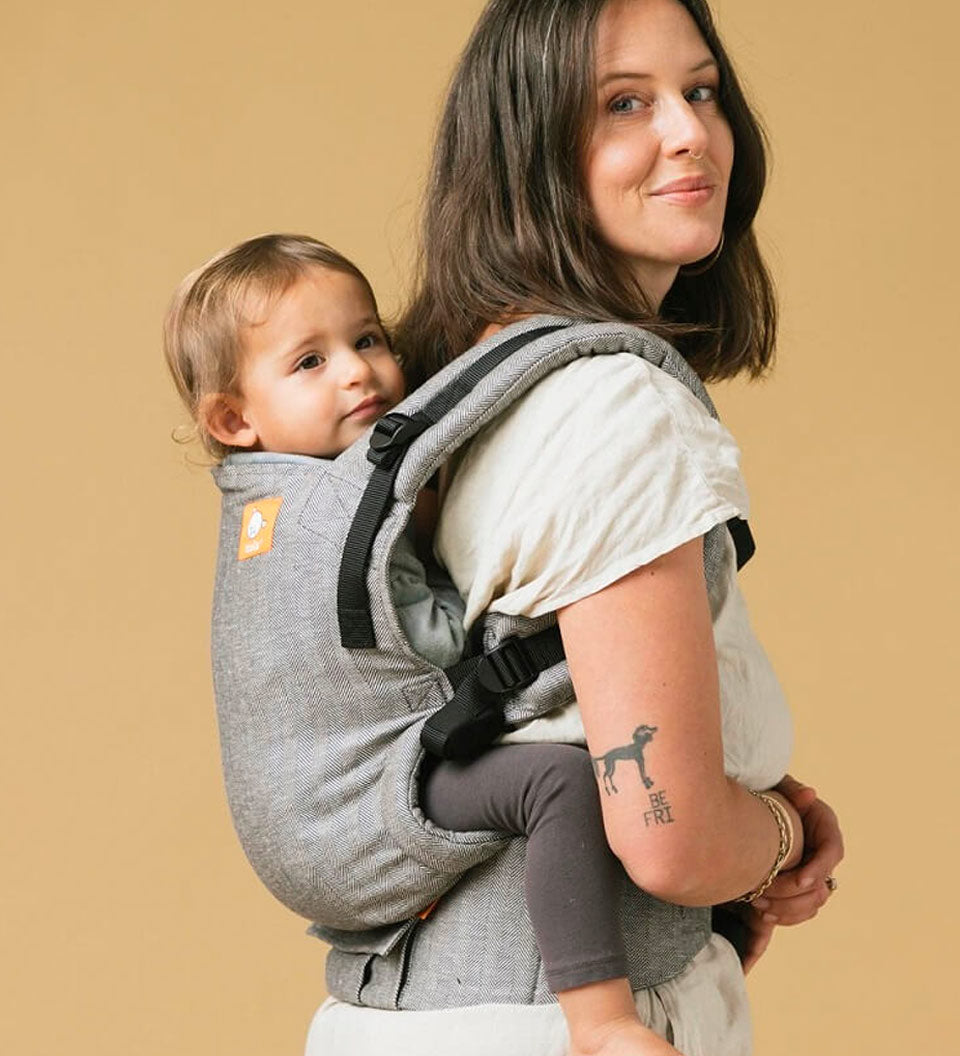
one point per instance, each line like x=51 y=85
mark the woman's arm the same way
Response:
x=641 y=654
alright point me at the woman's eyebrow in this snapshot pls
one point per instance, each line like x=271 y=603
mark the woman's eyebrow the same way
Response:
x=617 y=75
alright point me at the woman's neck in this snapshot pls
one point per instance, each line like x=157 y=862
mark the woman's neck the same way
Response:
x=655 y=280
x=655 y=283
x=492 y=328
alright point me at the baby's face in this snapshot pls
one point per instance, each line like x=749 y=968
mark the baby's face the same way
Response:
x=316 y=368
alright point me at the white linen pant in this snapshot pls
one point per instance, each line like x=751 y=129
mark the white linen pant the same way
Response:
x=703 y=1011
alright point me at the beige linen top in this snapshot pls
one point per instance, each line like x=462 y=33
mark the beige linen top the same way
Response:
x=604 y=465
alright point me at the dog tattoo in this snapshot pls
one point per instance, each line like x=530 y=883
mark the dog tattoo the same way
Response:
x=641 y=735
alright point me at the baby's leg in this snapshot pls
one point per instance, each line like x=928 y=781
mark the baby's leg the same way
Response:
x=548 y=793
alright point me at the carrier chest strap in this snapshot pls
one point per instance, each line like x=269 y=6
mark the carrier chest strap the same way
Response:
x=473 y=717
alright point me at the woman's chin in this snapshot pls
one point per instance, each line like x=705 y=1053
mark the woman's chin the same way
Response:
x=699 y=248
x=685 y=252
x=696 y=256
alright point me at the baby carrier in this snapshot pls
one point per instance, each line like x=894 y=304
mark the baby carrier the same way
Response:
x=326 y=713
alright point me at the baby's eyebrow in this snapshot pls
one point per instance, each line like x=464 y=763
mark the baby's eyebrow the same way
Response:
x=318 y=335
x=308 y=339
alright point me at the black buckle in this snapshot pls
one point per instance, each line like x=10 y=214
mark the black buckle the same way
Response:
x=507 y=668
x=391 y=433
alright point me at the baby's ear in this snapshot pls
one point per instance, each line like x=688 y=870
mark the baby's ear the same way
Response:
x=221 y=414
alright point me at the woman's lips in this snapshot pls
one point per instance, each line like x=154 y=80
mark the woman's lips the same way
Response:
x=702 y=194
x=692 y=190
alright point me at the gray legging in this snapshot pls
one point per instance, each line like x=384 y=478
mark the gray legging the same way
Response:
x=548 y=793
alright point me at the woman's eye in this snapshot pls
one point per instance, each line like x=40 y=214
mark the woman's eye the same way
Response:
x=703 y=93
x=625 y=104
x=310 y=362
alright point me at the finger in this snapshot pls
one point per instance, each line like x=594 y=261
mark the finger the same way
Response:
x=792 y=919
x=799 y=794
x=789 y=887
x=793 y=883
x=824 y=860
x=793 y=910
x=781 y=895
x=760 y=937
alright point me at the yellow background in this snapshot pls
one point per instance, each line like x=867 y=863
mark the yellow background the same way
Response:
x=138 y=139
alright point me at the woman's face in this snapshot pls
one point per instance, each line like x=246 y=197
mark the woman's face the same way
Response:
x=658 y=163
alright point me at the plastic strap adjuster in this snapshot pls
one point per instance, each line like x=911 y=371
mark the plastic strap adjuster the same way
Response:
x=506 y=668
x=391 y=434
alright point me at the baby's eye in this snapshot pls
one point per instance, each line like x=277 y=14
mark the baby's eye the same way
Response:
x=310 y=361
x=703 y=93
x=366 y=341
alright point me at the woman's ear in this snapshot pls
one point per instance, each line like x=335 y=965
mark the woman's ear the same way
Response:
x=222 y=415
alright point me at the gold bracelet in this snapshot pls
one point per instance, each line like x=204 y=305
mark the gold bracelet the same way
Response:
x=785 y=828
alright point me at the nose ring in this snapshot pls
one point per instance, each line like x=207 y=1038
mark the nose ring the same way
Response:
x=696 y=157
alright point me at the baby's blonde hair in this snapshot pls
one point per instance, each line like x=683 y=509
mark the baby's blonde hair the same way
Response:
x=202 y=331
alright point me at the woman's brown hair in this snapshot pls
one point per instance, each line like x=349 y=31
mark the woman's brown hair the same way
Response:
x=507 y=227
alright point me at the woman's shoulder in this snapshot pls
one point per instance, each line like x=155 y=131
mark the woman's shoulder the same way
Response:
x=612 y=404
x=602 y=466
x=608 y=378
x=593 y=388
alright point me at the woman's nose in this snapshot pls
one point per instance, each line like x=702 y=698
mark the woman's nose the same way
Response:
x=681 y=130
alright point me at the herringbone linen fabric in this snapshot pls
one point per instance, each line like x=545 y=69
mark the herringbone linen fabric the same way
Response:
x=320 y=744
x=704 y=1011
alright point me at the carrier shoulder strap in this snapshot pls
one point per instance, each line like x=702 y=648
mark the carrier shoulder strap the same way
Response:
x=391 y=439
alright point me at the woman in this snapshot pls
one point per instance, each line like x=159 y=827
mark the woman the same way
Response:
x=598 y=160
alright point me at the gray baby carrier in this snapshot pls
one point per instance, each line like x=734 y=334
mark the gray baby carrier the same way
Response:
x=326 y=713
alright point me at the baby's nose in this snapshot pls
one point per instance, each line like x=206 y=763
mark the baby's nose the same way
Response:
x=354 y=367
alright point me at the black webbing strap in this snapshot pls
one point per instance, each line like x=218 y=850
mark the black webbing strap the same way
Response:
x=473 y=717
x=353 y=601
x=742 y=539
x=391 y=439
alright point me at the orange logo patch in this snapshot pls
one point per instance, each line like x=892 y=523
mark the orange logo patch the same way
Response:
x=256 y=528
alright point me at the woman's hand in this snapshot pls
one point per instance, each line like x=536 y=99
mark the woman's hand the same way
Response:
x=798 y=894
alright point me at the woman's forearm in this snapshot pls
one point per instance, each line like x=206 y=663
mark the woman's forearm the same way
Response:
x=726 y=853
x=642 y=661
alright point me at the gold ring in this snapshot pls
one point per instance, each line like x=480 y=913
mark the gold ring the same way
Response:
x=831 y=882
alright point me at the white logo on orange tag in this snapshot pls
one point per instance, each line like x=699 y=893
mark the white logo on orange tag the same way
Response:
x=256 y=528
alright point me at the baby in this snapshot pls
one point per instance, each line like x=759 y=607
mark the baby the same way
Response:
x=277 y=345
